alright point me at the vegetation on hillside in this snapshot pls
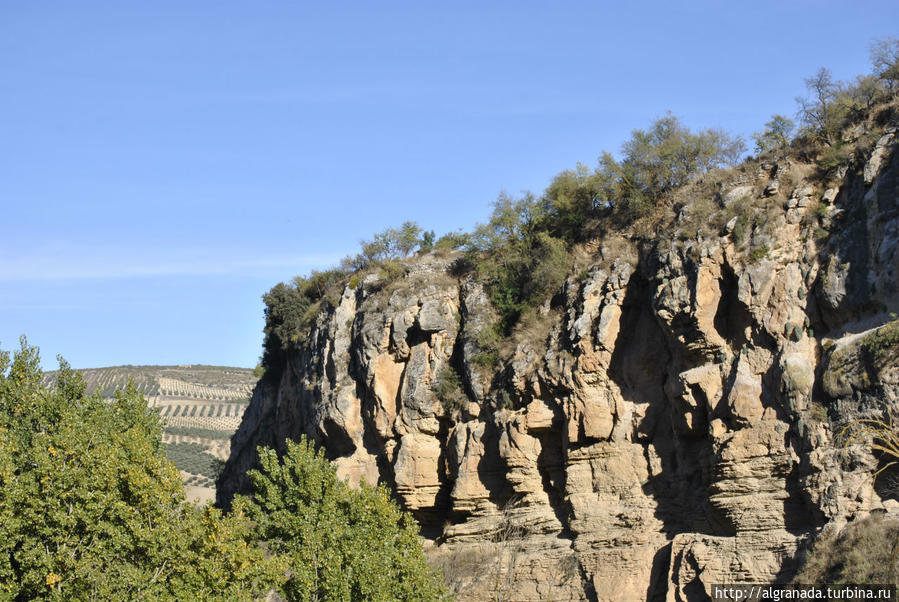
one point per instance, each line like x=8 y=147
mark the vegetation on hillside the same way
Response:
x=289 y=308
x=90 y=508
x=863 y=552
x=202 y=382
x=525 y=250
x=654 y=162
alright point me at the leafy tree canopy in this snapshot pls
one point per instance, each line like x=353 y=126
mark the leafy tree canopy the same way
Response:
x=653 y=162
x=339 y=543
x=91 y=509
x=389 y=244
x=516 y=257
x=777 y=134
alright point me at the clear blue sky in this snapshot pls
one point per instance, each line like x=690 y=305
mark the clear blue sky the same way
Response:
x=162 y=164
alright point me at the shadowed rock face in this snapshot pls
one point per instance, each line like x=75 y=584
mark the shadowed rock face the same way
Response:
x=658 y=436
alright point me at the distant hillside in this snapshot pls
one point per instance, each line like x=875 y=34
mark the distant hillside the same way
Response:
x=201 y=407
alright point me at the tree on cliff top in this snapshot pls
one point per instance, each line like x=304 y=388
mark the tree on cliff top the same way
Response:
x=885 y=62
x=777 y=134
x=387 y=245
x=654 y=162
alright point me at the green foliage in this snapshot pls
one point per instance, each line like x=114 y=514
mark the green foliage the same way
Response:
x=654 y=162
x=831 y=106
x=389 y=244
x=427 y=241
x=285 y=309
x=576 y=196
x=452 y=241
x=759 y=253
x=448 y=389
x=391 y=269
x=486 y=358
x=488 y=340
x=668 y=155
x=777 y=134
x=862 y=96
x=340 y=543
x=834 y=156
x=289 y=308
x=317 y=284
x=519 y=262
x=91 y=509
x=820 y=112
x=742 y=229
x=817 y=412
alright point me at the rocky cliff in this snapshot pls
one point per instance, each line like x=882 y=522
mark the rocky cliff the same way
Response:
x=670 y=420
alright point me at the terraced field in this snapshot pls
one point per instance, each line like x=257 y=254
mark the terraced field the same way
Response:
x=201 y=407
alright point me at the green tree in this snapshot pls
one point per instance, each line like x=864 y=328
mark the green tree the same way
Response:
x=340 y=543
x=387 y=245
x=285 y=311
x=576 y=195
x=452 y=241
x=91 y=509
x=516 y=257
x=776 y=134
x=407 y=238
x=427 y=240
x=654 y=162
x=289 y=308
x=667 y=155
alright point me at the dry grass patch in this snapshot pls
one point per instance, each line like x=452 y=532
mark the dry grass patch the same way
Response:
x=863 y=552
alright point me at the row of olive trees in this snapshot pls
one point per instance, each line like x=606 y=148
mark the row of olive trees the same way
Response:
x=90 y=509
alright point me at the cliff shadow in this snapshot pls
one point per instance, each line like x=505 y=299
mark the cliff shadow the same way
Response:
x=639 y=366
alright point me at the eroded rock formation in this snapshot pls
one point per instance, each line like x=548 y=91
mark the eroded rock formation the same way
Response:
x=671 y=421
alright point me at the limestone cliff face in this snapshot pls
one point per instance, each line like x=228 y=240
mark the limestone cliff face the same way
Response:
x=670 y=424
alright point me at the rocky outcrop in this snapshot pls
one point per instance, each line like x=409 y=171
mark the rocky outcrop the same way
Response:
x=671 y=421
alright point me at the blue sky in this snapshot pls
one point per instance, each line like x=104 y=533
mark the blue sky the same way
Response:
x=162 y=164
